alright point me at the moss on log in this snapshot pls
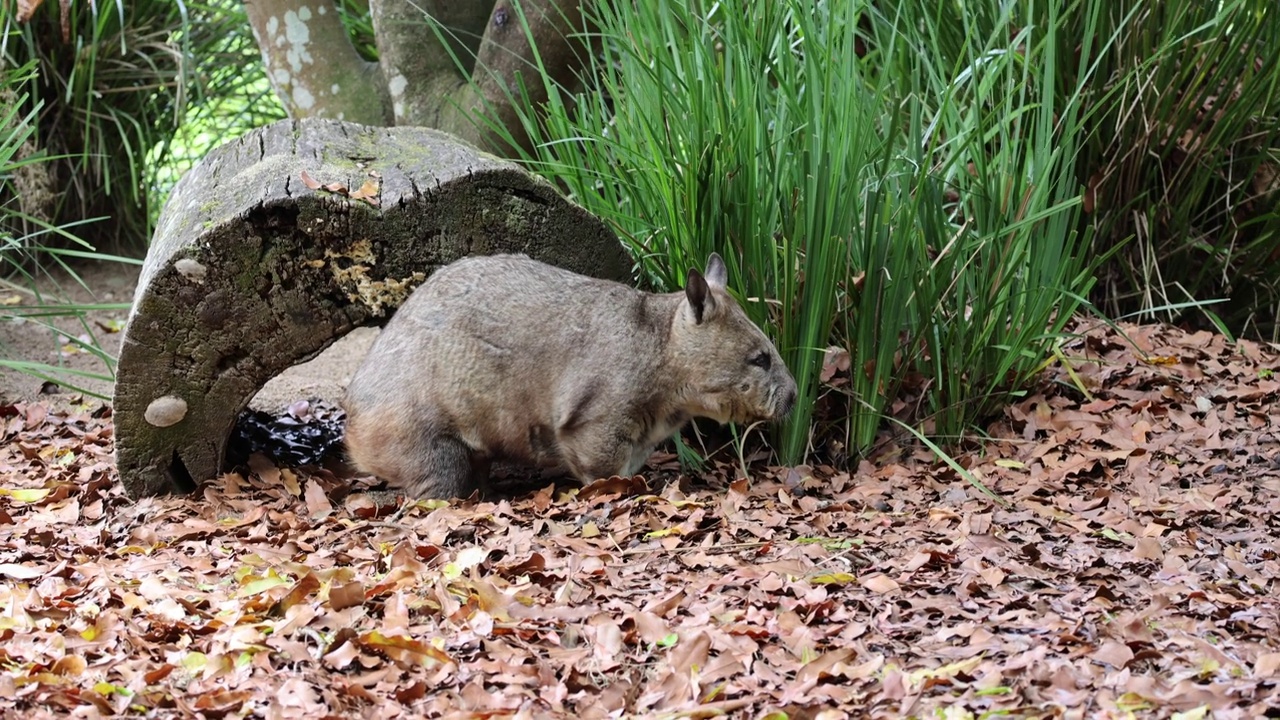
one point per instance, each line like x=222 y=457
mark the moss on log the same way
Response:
x=254 y=269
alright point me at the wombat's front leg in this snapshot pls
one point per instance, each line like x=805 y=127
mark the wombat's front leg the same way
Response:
x=443 y=467
x=603 y=454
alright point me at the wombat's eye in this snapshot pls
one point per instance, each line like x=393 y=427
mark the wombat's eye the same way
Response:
x=762 y=360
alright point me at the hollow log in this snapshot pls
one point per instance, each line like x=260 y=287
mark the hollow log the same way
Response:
x=280 y=242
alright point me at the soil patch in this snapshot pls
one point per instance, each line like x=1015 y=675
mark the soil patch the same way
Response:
x=323 y=378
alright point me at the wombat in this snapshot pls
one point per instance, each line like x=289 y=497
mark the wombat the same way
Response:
x=502 y=357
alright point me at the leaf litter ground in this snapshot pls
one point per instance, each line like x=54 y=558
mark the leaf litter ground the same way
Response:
x=1133 y=574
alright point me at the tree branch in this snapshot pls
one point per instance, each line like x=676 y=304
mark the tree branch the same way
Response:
x=312 y=65
x=507 y=59
x=419 y=69
x=426 y=85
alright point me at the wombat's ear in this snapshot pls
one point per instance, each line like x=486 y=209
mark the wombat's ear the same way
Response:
x=717 y=273
x=699 y=296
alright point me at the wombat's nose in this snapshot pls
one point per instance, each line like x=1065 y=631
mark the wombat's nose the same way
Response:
x=788 y=402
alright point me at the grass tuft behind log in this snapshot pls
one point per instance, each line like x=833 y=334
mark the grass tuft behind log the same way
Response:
x=906 y=230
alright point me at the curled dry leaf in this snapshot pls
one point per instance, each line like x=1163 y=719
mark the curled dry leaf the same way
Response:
x=1115 y=654
x=367 y=191
x=27 y=8
x=309 y=181
x=1267 y=665
x=614 y=485
x=20 y=572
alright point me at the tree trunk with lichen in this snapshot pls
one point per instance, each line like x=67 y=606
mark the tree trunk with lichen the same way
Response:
x=277 y=244
x=317 y=72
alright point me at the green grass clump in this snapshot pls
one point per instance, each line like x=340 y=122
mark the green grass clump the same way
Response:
x=1183 y=156
x=20 y=276
x=111 y=96
x=913 y=221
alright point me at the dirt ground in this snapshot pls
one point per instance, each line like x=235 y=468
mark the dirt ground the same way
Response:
x=323 y=378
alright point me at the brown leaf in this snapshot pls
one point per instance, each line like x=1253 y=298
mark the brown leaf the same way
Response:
x=836 y=359
x=690 y=653
x=35 y=415
x=399 y=647
x=20 y=572
x=800 y=639
x=368 y=190
x=1148 y=548
x=650 y=627
x=309 y=181
x=880 y=583
x=406 y=696
x=826 y=665
x=222 y=701
x=70 y=666
x=154 y=676
x=264 y=468
x=27 y=8
x=1267 y=665
x=629 y=486
x=664 y=606
x=301 y=590
x=1115 y=654
x=344 y=596
x=535 y=563
x=318 y=505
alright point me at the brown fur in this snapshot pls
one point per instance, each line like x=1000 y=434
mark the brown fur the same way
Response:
x=505 y=358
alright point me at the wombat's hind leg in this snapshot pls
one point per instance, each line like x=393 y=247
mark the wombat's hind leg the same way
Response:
x=411 y=457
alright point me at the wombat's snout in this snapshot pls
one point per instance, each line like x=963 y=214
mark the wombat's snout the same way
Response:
x=788 y=402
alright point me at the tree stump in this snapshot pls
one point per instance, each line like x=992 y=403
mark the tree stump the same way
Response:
x=280 y=242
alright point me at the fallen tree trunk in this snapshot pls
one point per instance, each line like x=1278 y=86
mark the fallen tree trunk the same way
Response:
x=282 y=241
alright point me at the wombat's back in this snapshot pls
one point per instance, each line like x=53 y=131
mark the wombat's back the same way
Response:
x=496 y=321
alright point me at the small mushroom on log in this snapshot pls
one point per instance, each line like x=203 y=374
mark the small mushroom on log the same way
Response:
x=279 y=243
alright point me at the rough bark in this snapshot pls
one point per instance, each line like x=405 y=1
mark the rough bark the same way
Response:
x=421 y=72
x=416 y=81
x=428 y=89
x=313 y=67
x=251 y=271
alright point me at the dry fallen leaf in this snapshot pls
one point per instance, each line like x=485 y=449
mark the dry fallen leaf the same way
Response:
x=880 y=583
x=1115 y=654
x=369 y=190
x=27 y=9
x=20 y=572
x=318 y=505
x=1267 y=665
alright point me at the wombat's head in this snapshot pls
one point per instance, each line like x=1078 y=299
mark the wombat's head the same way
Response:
x=730 y=370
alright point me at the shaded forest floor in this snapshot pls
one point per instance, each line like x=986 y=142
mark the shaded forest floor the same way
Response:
x=1133 y=574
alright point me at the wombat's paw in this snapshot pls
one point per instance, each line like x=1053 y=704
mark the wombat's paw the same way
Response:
x=435 y=488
